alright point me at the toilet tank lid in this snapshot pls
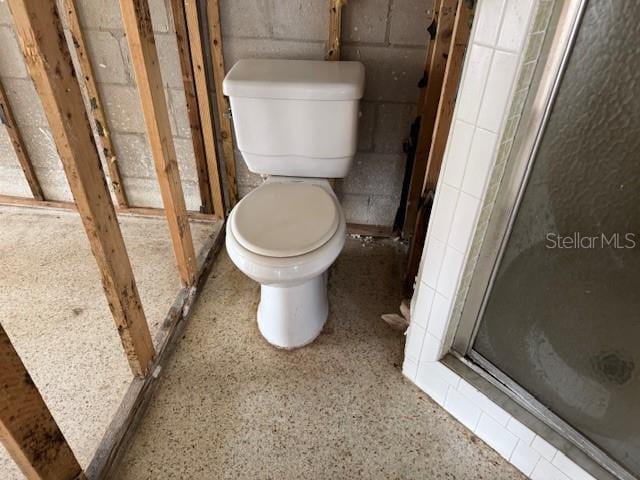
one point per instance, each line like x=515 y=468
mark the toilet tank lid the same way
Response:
x=295 y=79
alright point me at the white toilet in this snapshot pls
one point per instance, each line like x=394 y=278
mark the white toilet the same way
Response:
x=296 y=124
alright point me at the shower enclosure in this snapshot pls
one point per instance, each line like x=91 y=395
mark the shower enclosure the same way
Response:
x=553 y=312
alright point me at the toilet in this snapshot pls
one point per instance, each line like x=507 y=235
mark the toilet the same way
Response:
x=296 y=125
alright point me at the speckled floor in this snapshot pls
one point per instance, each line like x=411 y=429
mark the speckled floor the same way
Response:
x=230 y=406
x=54 y=310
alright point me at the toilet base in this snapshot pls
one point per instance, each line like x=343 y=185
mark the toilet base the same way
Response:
x=292 y=317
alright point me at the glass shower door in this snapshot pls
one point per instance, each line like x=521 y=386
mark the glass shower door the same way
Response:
x=562 y=318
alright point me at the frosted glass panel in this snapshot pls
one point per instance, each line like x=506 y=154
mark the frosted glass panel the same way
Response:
x=563 y=317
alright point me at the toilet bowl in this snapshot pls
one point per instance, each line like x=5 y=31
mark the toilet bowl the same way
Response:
x=293 y=298
x=295 y=123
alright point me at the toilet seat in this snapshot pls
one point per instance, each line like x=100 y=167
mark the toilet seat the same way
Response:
x=285 y=219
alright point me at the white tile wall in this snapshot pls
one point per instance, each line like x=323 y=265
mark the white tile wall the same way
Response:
x=493 y=63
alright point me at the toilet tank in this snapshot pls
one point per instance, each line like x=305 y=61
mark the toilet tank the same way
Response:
x=296 y=117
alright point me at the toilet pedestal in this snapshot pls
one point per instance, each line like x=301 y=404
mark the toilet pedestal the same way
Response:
x=292 y=317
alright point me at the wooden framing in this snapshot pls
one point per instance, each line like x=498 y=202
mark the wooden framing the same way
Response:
x=144 y=58
x=440 y=31
x=333 y=45
x=48 y=60
x=70 y=206
x=27 y=428
x=95 y=102
x=453 y=71
x=7 y=118
x=136 y=399
x=182 y=38
x=217 y=56
x=203 y=102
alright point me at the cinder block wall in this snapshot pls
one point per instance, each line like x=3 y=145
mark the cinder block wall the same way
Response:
x=109 y=53
x=388 y=36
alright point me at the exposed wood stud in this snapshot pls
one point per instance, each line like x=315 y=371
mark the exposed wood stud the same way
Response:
x=228 y=151
x=7 y=118
x=333 y=45
x=48 y=61
x=182 y=37
x=446 y=104
x=27 y=429
x=203 y=104
x=440 y=31
x=144 y=58
x=95 y=103
x=123 y=424
x=130 y=211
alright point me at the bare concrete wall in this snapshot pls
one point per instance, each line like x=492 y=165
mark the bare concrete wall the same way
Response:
x=109 y=53
x=388 y=36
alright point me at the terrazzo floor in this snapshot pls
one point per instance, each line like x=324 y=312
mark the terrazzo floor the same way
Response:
x=230 y=406
x=55 y=312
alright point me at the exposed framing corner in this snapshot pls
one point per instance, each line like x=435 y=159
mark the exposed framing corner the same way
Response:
x=136 y=399
x=86 y=73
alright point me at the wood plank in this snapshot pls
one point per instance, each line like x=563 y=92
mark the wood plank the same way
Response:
x=182 y=37
x=333 y=45
x=95 y=102
x=203 y=103
x=27 y=429
x=144 y=58
x=222 y=104
x=442 y=127
x=9 y=121
x=440 y=30
x=369 y=230
x=48 y=61
x=9 y=200
x=131 y=410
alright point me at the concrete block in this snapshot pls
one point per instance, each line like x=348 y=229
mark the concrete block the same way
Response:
x=160 y=17
x=393 y=124
x=179 y=116
x=143 y=192
x=134 y=155
x=239 y=48
x=122 y=107
x=41 y=148
x=5 y=14
x=169 y=60
x=300 y=19
x=191 y=194
x=25 y=102
x=355 y=207
x=409 y=20
x=366 y=126
x=55 y=185
x=106 y=55
x=12 y=181
x=374 y=174
x=382 y=210
x=11 y=60
x=105 y=15
x=244 y=178
x=246 y=18
x=136 y=161
x=7 y=153
x=102 y=15
x=365 y=21
x=186 y=159
x=392 y=74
